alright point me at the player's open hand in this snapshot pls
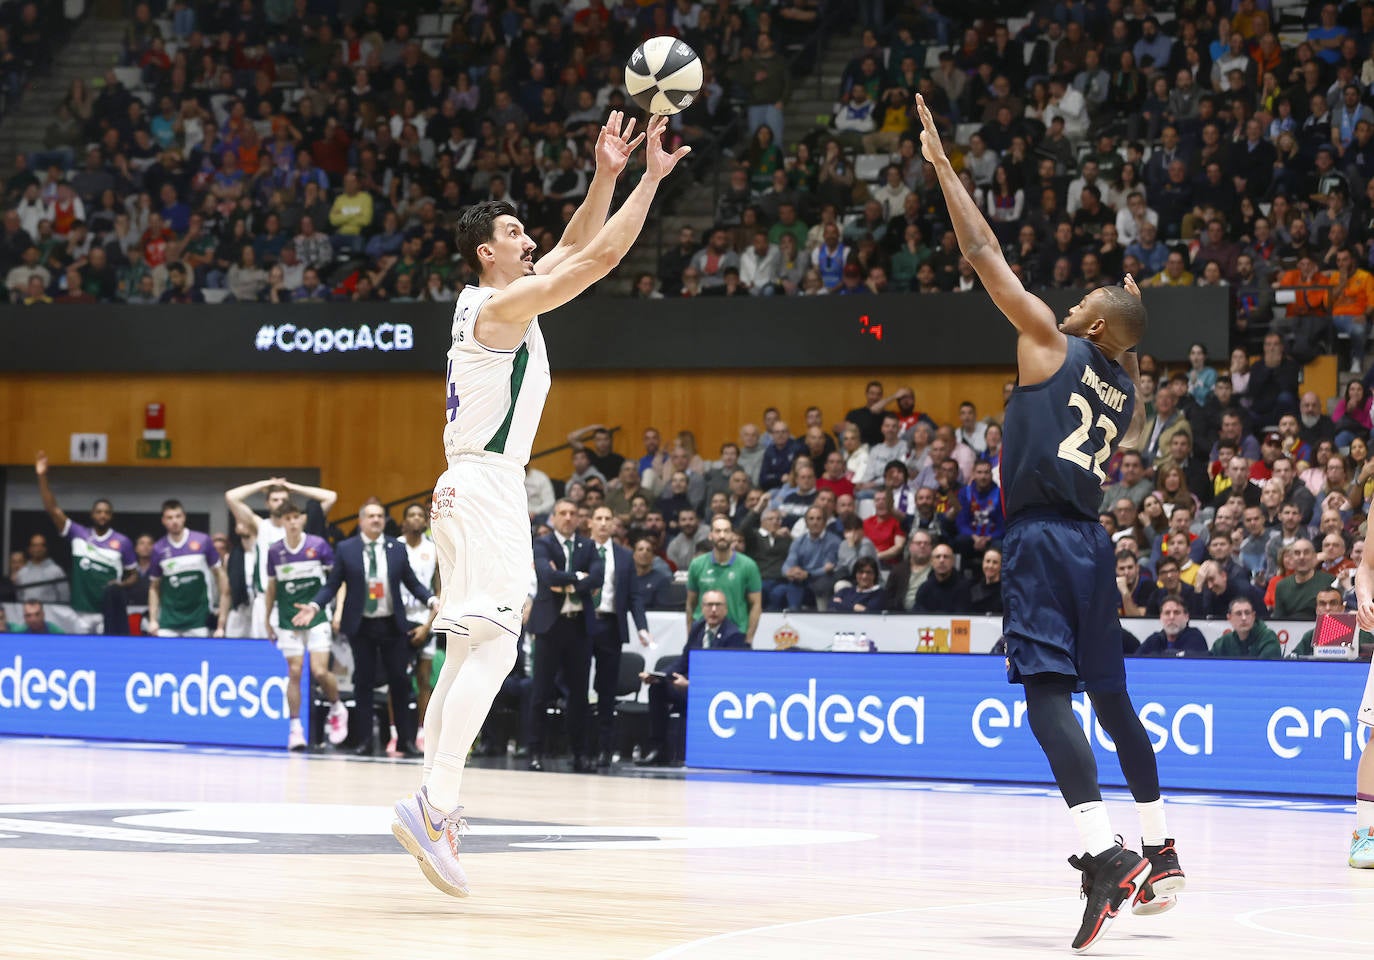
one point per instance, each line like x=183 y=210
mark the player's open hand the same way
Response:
x=305 y=612
x=931 y=147
x=1129 y=283
x=614 y=144
x=660 y=163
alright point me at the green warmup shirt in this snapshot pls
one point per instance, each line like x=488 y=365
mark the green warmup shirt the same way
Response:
x=186 y=580
x=97 y=561
x=299 y=574
x=736 y=578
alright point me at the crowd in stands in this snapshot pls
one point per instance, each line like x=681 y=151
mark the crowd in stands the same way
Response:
x=288 y=150
x=1245 y=492
x=1245 y=495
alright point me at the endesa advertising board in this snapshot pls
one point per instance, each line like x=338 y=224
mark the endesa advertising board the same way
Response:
x=226 y=692
x=1261 y=726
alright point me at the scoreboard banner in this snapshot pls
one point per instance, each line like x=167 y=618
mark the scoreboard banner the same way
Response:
x=1222 y=725
x=899 y=329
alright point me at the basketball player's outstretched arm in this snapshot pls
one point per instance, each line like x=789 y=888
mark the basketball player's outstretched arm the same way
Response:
x=1135 y=437
x=535 y=294
x=1041 y=347
x=613 y=148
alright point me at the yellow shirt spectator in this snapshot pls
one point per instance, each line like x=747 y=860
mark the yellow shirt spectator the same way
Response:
x=352 y=210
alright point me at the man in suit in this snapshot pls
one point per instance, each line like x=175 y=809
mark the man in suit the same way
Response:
x=612 y=598
x=371 y=568
x=713 y=631
x=568 y=571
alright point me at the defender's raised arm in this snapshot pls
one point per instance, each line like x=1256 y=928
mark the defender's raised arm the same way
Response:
x=1029 y=314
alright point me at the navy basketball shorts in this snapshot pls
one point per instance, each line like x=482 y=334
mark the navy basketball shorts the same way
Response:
x=1060 y=602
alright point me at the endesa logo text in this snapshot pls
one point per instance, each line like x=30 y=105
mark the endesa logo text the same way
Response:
x=1189 y=727
x=229 y=692
x=804 y=716
x=1254 y=726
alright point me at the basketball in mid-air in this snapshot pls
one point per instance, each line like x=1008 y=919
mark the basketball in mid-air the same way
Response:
x=663 y=75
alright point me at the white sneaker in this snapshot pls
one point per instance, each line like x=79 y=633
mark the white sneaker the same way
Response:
x=432 y=838
x=1355 y=365
x=296 y=739
x=337 y=724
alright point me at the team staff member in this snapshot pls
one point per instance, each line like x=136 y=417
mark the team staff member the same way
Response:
x=101 y=556
x=184 y=574
x=373 y=567
x=733 y=574
x=713 y=631
x=569 y=571
x=614 y=597
x=424 y=560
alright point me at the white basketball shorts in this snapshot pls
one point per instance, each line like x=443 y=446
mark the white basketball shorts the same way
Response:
x=294 y=643
x=481 y=527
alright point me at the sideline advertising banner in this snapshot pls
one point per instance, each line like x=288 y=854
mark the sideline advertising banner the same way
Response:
x=224 y=692
x=1263 y=726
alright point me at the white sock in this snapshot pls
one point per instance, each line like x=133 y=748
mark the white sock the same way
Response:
x=337 y=707
x=393 y=733
x=1152 y=828
x=1364 y=813
x=466 y=706
x=295 y=723
x=456 y=652
x=1094 y=827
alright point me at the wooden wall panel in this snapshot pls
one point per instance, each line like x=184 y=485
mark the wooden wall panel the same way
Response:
x=380 y=433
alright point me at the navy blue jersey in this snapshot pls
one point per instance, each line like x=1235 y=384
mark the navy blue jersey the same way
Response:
x=1059 y=433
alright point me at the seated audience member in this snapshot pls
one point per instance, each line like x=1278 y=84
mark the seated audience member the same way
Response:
x=981 y=521
x=945 y=590
x=866 y=593
x=808 y=573
x=649 y=582
x=907 y=578
x=692 y=538
x=884 y=528
x=1217 y=589
x=1135 y=590
x=1175 y=637
x=1170 y=586
x=35 y=620
x=713 y=631
x=853 y=545
x=40 y=578
x=985 y=596
x=1249 y=637
x=1295 y=597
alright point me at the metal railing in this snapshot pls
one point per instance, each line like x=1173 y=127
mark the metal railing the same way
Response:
x=422 y=496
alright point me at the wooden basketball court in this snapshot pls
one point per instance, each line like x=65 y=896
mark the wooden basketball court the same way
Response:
x=122 y=852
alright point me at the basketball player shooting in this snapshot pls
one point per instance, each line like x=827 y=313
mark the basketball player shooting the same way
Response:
x=498 y=378
x=1073 y=407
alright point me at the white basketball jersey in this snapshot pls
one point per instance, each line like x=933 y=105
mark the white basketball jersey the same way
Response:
x=494 y=398
x=423 y=560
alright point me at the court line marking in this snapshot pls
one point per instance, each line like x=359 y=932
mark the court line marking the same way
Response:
x=1248 y=920
x=691 y=945
x=682 y=948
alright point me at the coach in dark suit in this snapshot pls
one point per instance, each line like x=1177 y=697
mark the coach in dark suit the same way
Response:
x=714 y=631
x=374 y=566
x=568 y=571
x=610 y=601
